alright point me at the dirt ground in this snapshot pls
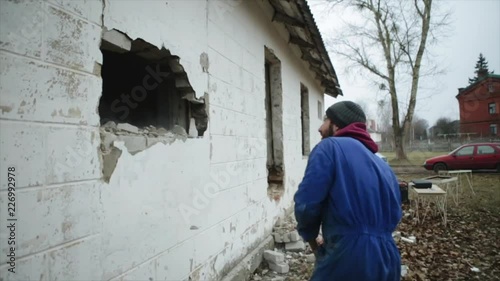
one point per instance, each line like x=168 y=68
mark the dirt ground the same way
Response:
x=467 y=248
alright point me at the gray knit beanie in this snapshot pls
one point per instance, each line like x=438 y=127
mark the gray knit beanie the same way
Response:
x=344 y=113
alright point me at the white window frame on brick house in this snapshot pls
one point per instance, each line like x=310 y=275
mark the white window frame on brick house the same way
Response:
x=492 y=108
x=493 y=129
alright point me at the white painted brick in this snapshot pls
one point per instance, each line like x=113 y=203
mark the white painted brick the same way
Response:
x=216 y=39
x=90 y=10
x=218 y=91
x=294 y=236
x=296 y=246
x=21 y=27
x=228 y=96
x=71 y=41
x=23 y=147
x=145 y=271
x=53 y=215
x=254 y=63
x=223 y=149
x=247 y=81
x=72 y=154
x=280 y=267
x=231 y=174
x=233 y=51
x=250 y=148
x=210 y=270
x=153 y=184
x=259 y=169
x=166 y=25
x=274 y=257
x=223 y=121
x=226 y=237
x=257 y=190
x=176 y=263
x=220 y=67
x=234 y=75
x=211 y=212
x=254 y=106
x=220 y=13
x=37 y=92
x=71 y=262
x=286 y=238
x=244 y=148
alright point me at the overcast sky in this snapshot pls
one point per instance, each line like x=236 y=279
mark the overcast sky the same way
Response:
x=474 y=29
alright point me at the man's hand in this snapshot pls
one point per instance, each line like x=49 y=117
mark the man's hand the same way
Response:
x=320 y=240
x=316 y=243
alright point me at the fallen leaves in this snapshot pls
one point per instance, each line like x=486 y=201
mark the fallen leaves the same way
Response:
x=467 y=248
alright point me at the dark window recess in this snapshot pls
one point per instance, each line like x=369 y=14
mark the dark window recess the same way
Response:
x=145 y=86
x=492 y=108
x=274 y=125
x=304 y=117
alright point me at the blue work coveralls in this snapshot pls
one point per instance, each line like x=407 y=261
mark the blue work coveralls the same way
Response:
x=354 y=196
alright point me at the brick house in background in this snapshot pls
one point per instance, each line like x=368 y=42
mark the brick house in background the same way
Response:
x=154 y=140
x=480 y=107
x=371 y=126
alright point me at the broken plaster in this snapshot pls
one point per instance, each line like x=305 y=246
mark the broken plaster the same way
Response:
x=134 y=140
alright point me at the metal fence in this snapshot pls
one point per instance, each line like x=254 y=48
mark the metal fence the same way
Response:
x=437 y=144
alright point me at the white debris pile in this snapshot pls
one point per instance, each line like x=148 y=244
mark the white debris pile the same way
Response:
x=291 y=260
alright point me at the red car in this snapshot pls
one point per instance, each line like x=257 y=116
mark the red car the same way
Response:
x=473 y=156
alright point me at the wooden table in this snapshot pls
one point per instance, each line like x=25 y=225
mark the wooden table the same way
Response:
x=426 y=196
x=459 y=173
x=450 y=184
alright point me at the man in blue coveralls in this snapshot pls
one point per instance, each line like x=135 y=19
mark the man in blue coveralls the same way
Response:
x=354 y=197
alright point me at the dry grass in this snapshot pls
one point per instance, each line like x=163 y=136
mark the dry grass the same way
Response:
x=414 y=157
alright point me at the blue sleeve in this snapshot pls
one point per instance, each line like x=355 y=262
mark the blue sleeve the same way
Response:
x=313 y=191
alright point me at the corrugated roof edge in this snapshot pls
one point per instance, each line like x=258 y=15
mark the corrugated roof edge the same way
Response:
x=306 y=13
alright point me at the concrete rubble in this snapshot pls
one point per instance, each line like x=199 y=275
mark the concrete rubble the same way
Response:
x=290 y=255
x=292 y=259
x=138 y=139
x=404 y=270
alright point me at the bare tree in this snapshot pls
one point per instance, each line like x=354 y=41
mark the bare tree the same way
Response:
x=364 y=107
x=419 y=128
x=384 y=115
x=389 y=43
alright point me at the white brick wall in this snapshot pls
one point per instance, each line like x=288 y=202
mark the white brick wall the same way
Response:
x=190 y=208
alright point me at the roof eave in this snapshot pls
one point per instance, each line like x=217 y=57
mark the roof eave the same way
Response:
x=303 y=32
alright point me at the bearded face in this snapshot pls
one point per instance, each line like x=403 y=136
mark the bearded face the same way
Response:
x=327 y=129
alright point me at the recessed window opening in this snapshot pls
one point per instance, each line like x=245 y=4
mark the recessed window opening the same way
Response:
x=304 y=118
x=274 y=124
x=146 y=87
x=320 y=110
